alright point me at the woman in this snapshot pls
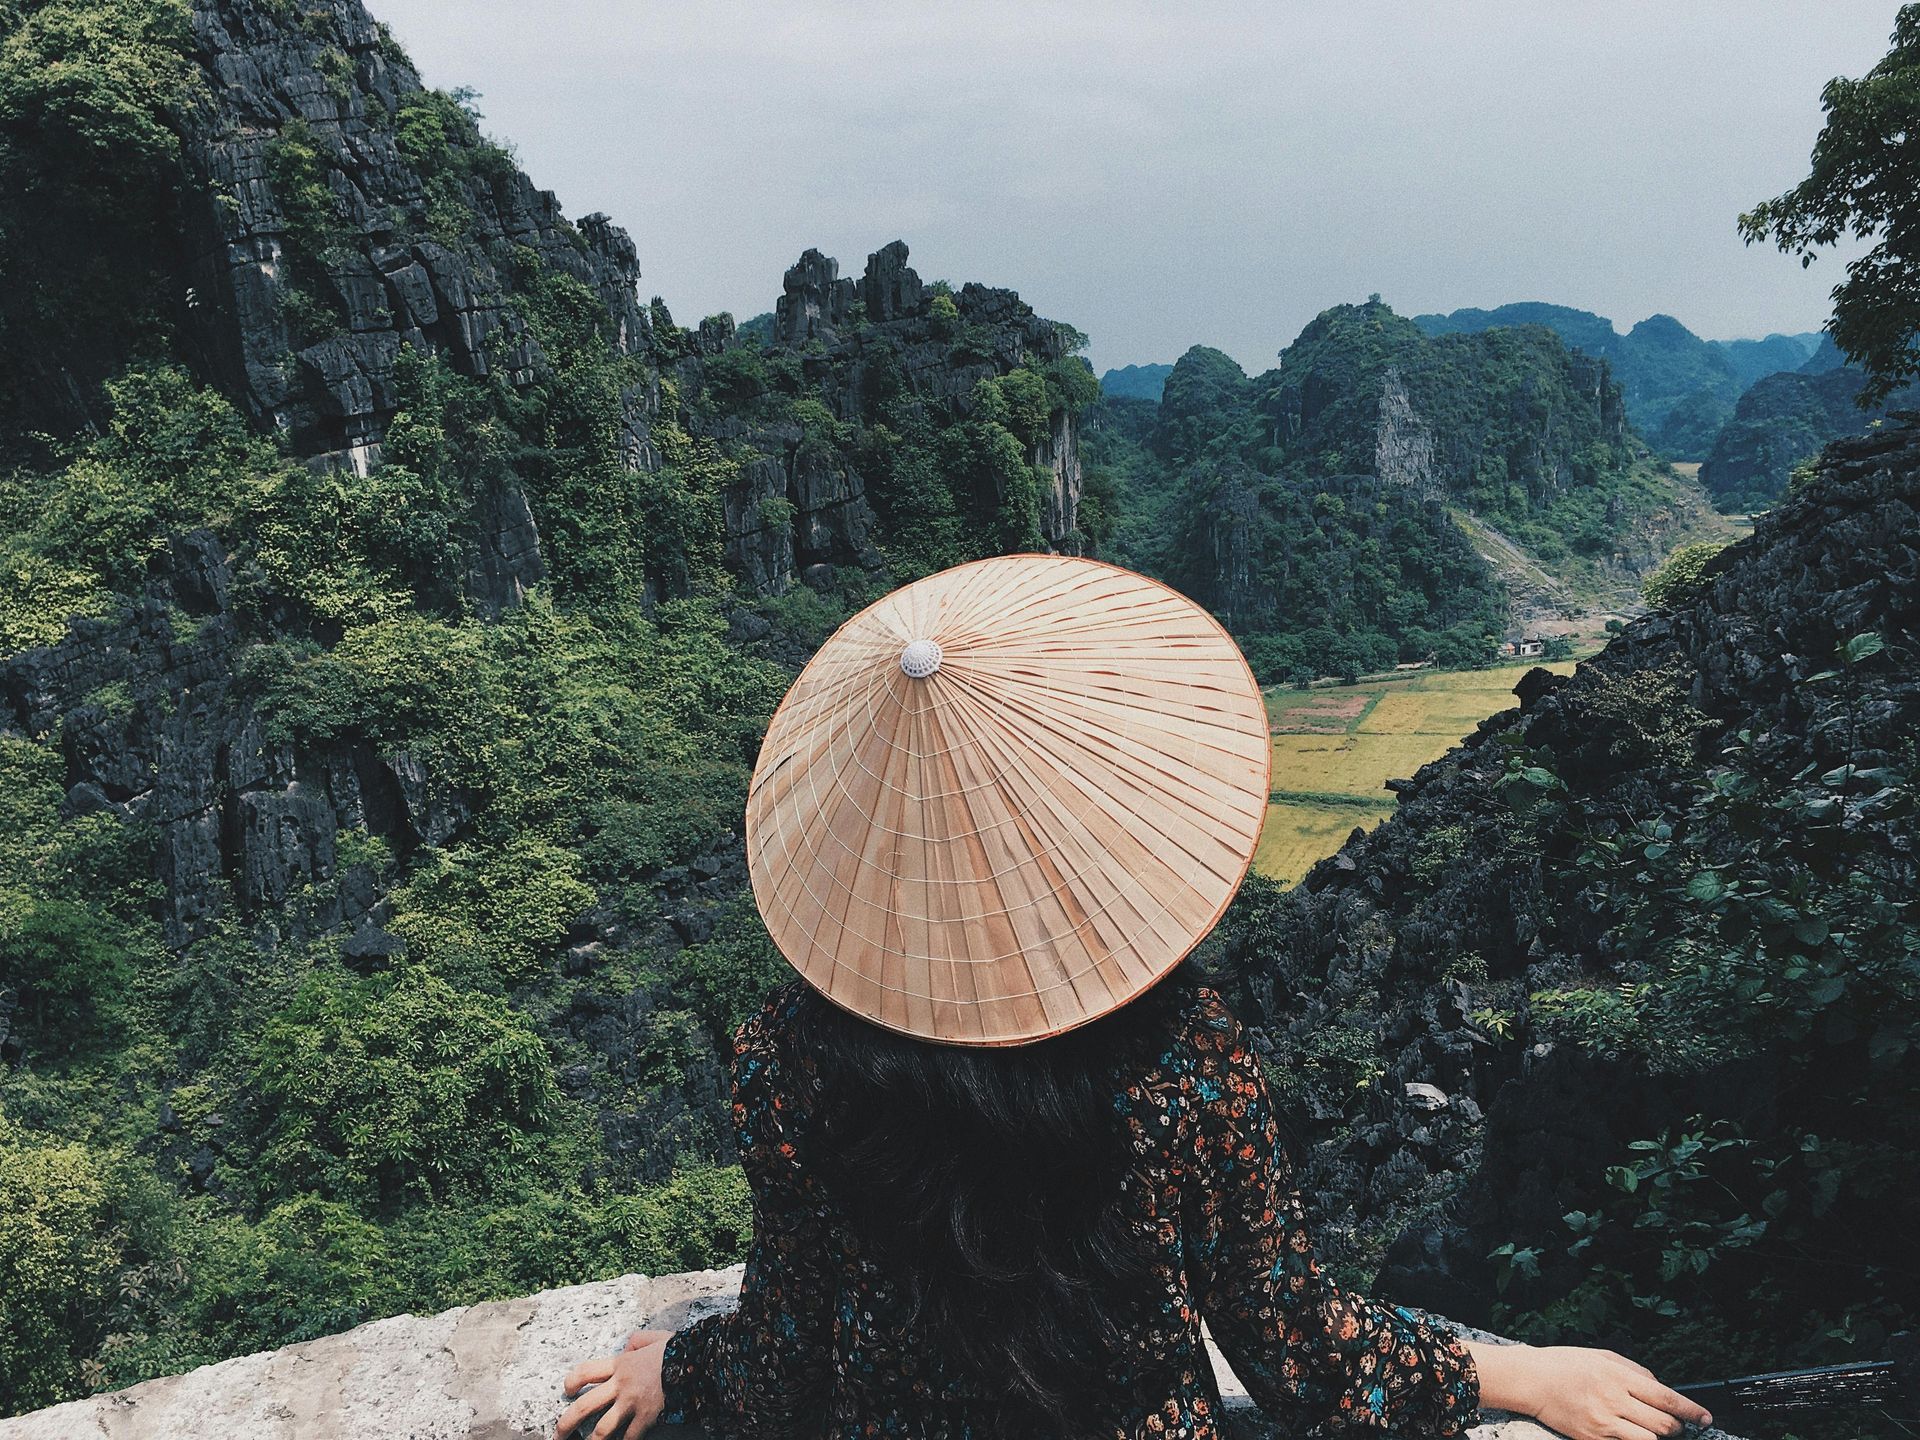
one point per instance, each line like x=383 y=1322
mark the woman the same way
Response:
x=1007 y=1152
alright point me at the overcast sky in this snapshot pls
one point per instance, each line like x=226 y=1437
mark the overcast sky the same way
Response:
x=1166 y=174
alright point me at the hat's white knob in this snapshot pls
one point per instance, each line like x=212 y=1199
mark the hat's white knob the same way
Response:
x=921 y=658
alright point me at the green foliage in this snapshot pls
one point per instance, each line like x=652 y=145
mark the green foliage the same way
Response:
x=310 y=1267
x=946 y=489
x=1757 y=928
x=1345 y=1055
x=300 y=173
x=1439 y=850
x=548 y=714
x=91 y=92
x=172 y=457
x=71 y=902
x=727 y=975
x=58 y=1257
x=453 y=1255
x=1641 y=718
x=439 y=133
x=93 y=86
x=1681 y=576
x=397 y=1087
x=489 y=920
x=1864 y=183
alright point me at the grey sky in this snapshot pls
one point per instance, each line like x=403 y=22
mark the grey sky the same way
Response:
x=1166 y=174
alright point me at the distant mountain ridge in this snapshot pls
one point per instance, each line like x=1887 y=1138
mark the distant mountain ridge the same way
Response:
x=1135 y=382
x=1783 y=421
x=1326 y=509
x=1679 y=388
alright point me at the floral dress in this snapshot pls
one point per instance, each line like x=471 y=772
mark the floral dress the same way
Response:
x=816 y=1349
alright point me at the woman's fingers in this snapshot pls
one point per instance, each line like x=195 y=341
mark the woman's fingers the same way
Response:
x=576 y=1414
x=614 y=1422
x=1647 y=1417
x=1625 y=1429
x=640 y=1339
x=1629 y=1363
x=587 y=1372
x=1671 y=1401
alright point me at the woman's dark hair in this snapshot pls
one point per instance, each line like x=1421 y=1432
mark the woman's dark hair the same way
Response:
x=987 y=1181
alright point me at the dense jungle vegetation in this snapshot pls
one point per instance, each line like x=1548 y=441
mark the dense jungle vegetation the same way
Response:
x=372 y=916
x=239 y=1133
x=1315 y=507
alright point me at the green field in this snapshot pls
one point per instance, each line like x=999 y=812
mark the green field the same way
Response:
x=1334 y=749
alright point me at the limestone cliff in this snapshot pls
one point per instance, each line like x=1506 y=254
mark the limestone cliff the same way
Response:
x=1336 y=511
x=335 y=393
x=338 y=217
x=416 y=247
x=849 y=340
x=1413 y=989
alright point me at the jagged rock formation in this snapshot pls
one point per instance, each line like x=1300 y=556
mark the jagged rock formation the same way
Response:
x=1392 y=956
x=484 y=1372
x=336 y=213
x=426 y=224
x=1318 y=507
x=191 y=758
x=846 y=335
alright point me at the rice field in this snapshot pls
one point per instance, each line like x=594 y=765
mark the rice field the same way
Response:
x=1335 y=748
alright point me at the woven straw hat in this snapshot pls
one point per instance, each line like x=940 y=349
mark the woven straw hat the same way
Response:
x=1007 y=798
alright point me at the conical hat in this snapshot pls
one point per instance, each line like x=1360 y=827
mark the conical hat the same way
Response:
x=1007 y=798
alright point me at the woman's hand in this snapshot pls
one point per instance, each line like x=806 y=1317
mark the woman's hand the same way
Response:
x=626 y=1386
x=1583 y=1394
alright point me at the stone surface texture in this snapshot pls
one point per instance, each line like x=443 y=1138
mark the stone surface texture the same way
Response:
x=483 y=1372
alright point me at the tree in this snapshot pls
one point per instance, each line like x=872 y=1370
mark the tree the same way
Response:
x=1681 y=575
x=397 y=1087
x=1865 y=181
x=58 y=1254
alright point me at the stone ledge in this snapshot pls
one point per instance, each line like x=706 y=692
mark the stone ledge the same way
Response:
x=482 y=1372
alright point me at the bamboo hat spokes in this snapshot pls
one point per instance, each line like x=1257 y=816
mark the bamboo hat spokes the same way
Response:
x=1007 y=798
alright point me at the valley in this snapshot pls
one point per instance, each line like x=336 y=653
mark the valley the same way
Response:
x=396 y=597
x=1335 y=748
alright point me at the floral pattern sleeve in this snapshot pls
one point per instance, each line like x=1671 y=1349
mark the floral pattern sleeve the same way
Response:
x=766 y=1367
x=1309 y=1353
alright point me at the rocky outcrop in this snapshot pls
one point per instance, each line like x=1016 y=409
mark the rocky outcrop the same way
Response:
x=330 y=184
x=484 y=1372
x=818 y=303
x=156 y=728
x=1403 y=451
x=1404 y=943
x=802 y=503
x=1228 y=551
